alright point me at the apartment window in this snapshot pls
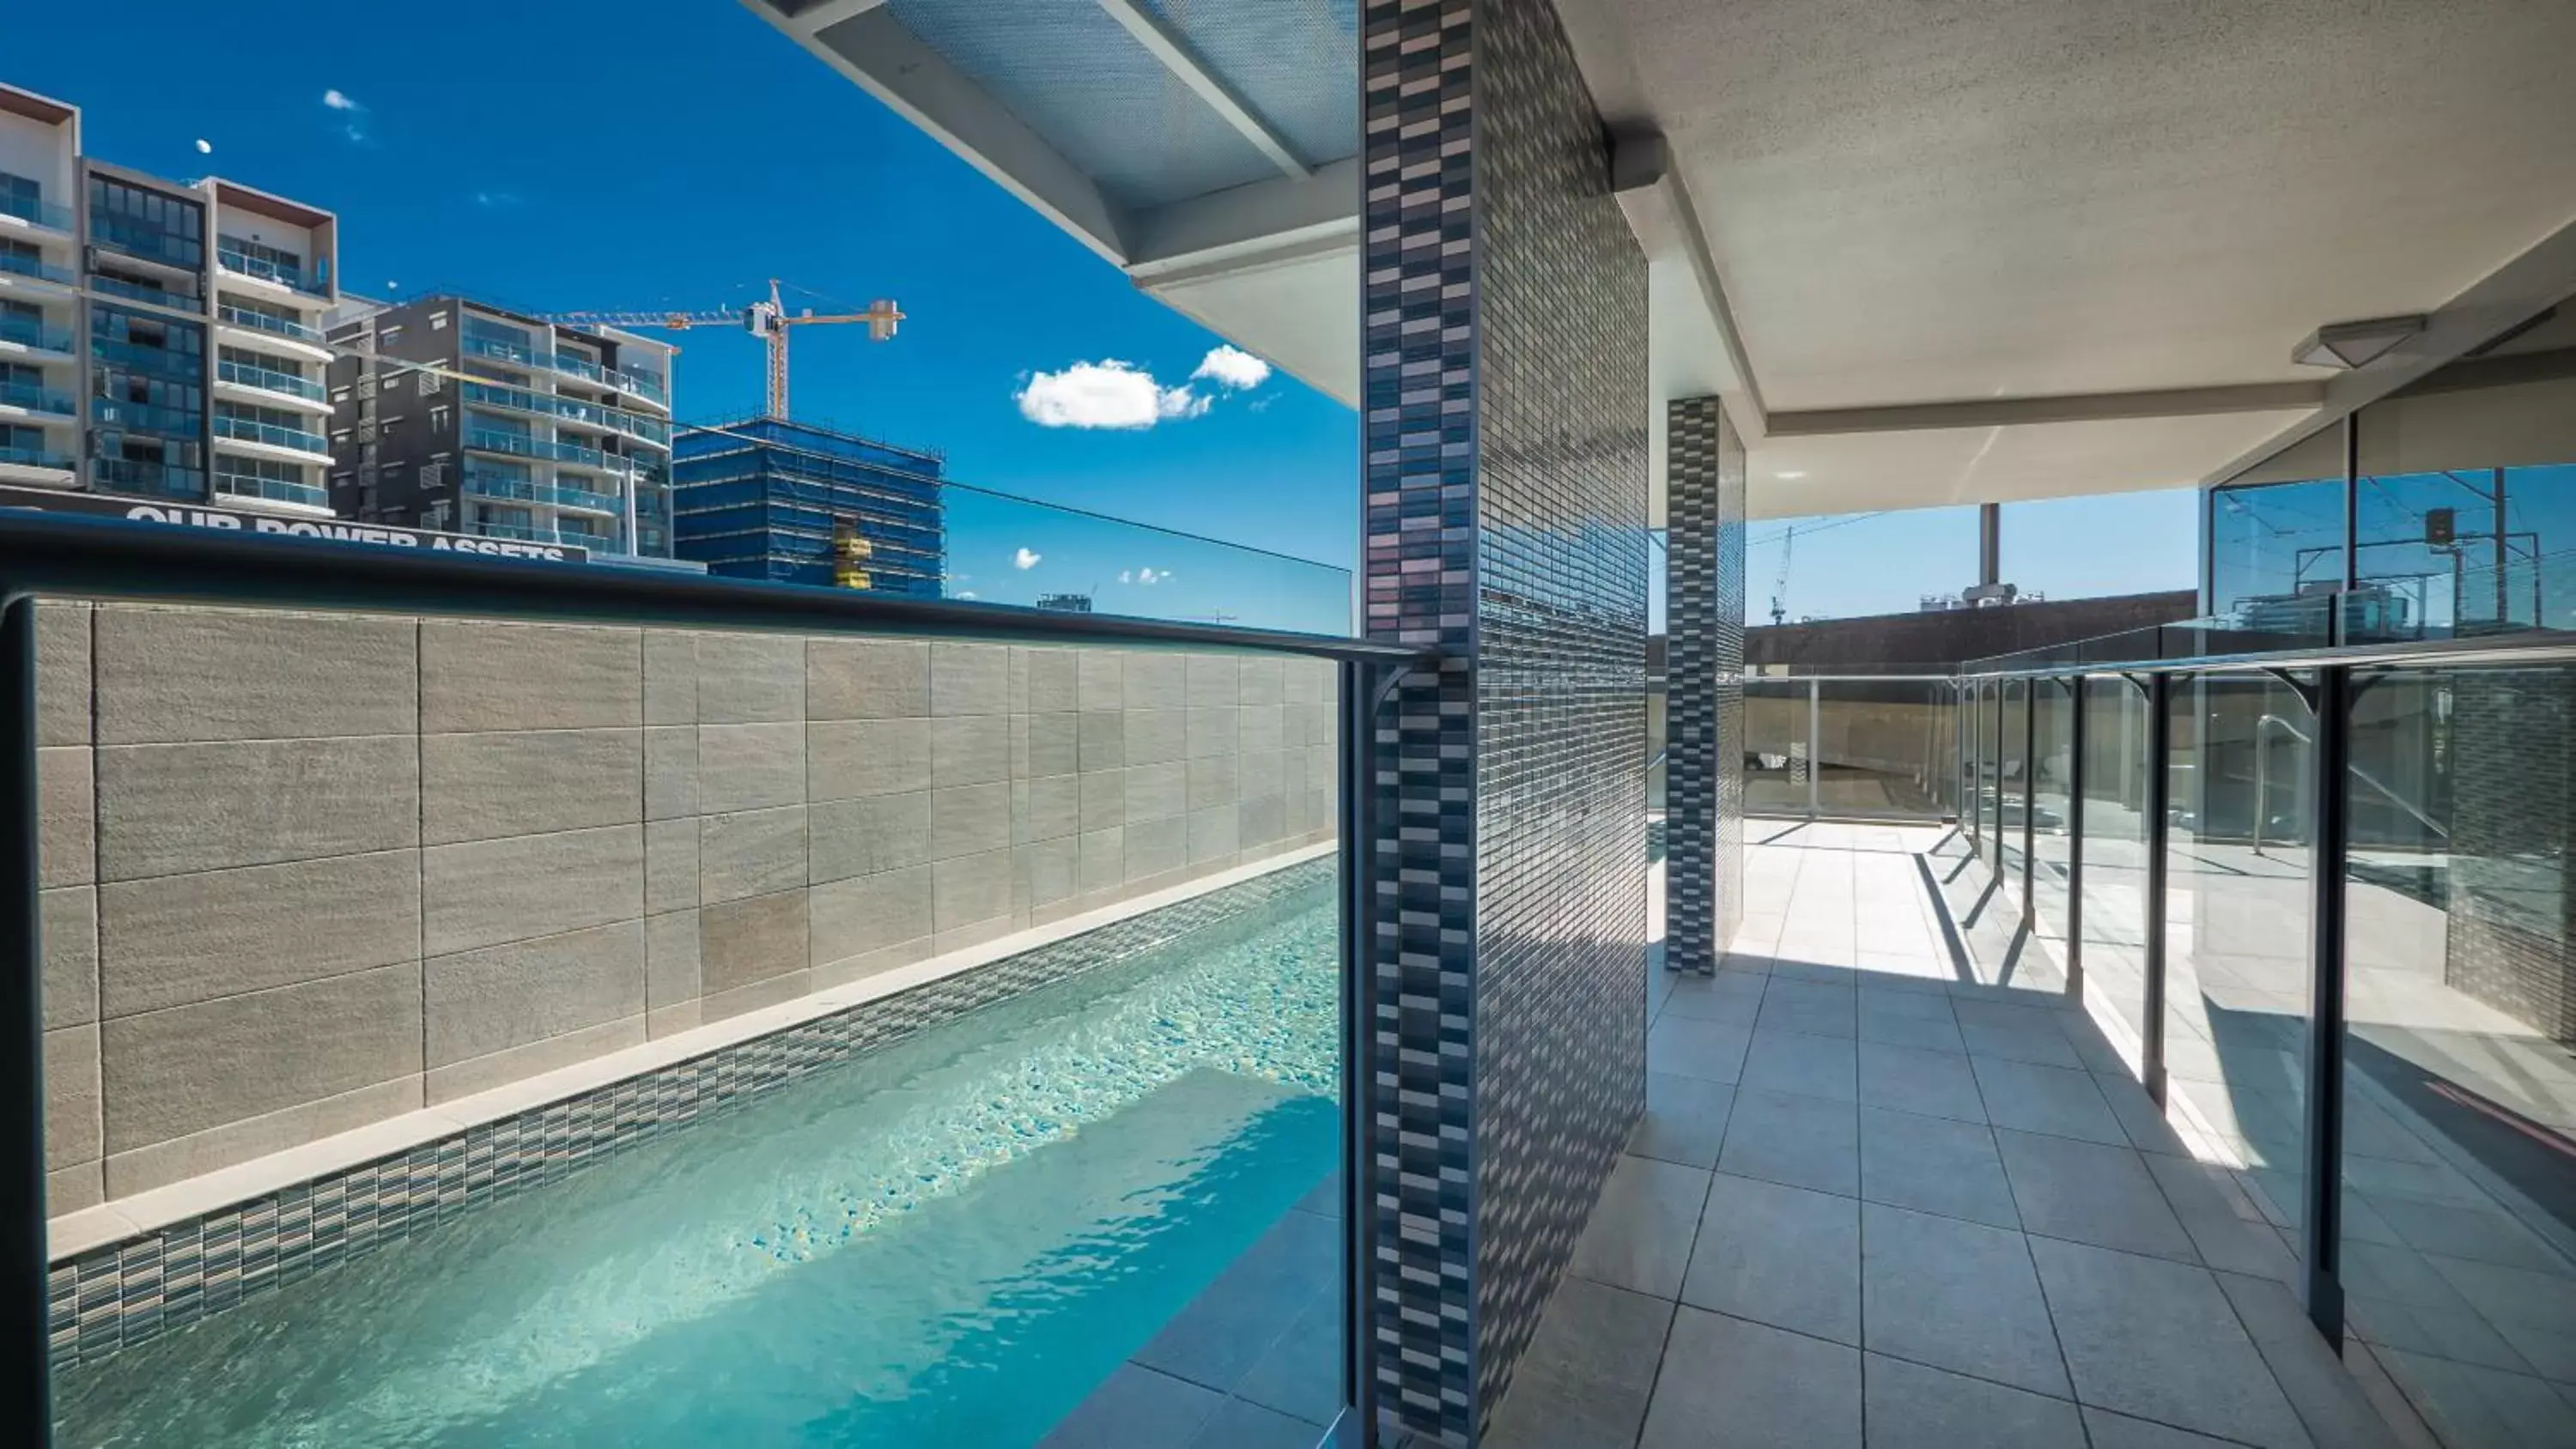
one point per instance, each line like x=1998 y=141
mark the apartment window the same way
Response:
x=21 y=257
x=166 y=229
x=17 y=439
x=391 y=335
x=20 y=195
x=19 y=374
x=339 y=394
x=262 y=469
x=438 y=419
x=262 y=260
x=265 y=361
x=437 y=321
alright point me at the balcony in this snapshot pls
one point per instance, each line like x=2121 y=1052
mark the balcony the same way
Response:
x=148 y=245
x=487 y=484
x=266 y=379
x=34 y=269
x=40 y=466
x=157 y=480
x=633 y=425
x=28 y=398
x=36 y=213
x=35 y=334
x=162 y=362
x=235 y=316
x=142 y=292
x=263 y=270
x=271 y=435
x=304 y=497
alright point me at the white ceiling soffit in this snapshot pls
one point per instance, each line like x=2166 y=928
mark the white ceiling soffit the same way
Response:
x=1231 y=95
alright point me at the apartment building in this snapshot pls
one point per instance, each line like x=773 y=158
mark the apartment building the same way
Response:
x=158 y=338
x=449 y=413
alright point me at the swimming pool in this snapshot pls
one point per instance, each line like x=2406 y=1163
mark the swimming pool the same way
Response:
x=946 y=1242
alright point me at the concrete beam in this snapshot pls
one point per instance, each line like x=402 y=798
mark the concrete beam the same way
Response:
x=824 y=14
x=2186 y=402
x=1177 y=57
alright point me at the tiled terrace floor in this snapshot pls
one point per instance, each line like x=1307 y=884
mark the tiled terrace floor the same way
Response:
x=1881 y=1198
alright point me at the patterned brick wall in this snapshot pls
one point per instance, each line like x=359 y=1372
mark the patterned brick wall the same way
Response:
x=2513 y=788
x=1705 y=621
x=1504 y=379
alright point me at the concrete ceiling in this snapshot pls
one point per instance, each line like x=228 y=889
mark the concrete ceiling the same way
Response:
x=1931 y=252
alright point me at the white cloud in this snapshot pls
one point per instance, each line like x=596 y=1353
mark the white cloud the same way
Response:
x=1232 y=368
x=339 y=100
x=205 y=147
x=349 y=108
x=1147 y=577
x=968 y=594
x=1026 y=558
x=496 y=199
x=1104 y=394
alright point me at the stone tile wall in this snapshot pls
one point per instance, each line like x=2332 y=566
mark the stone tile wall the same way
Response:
x=304 y=872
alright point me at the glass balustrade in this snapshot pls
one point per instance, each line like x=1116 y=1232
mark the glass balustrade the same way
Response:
x=26 y=266
x=263 y=322
x=33 y=209
x=36 y=458
x=35 y=398
x=249 y=375
x=34 y=332
x=251 y=430
x=251 y=485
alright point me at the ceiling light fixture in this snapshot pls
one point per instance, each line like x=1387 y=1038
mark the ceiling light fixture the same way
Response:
x=1790 y=475
x=2348 y=345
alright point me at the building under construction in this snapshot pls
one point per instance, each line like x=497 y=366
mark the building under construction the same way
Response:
x=766 y=498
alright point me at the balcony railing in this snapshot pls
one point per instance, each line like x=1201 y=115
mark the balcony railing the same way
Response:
x=633 y=425
x=489 y=484
x=24 y=266
x=267 y=271
x=251 y=430
x=36 y=458
x=37 y=399
x=145 y=242
x=160 y=480
x=108 y=412
x=142 y=292
x=521 y=355
x=32 y=332
x=36 y=210
x=158 y=361
x=261 y=321
x=248 y=375
x=251 y=485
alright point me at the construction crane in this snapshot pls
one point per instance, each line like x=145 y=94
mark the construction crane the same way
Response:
x=770 y=321
x=1780 y=586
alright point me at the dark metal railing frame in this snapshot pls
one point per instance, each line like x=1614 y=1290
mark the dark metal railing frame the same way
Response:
x=117 y=560
x=2329 y=679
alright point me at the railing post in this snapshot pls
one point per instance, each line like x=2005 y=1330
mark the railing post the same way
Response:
x=2321 y=1222
x=2030 y=800
x=2075 y=743
x=2151 y=1067
x=1815 y=745
x=22 y=1024
x=1999 y=784
x=1359 y=685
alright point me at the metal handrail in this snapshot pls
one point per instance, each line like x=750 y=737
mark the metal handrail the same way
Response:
x=2263 y=781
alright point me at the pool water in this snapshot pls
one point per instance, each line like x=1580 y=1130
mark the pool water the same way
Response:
x=947 y=1242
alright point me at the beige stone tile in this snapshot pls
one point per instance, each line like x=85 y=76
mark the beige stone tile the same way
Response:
x=498 y=997
x=753 y=940
x=66 y=811
x=866 y=679
x=1214 y=681
x=854 y=758
x=70 y=1189
x=1104 y=799
x=1216 y=780
x=970 y=889
x=970 y=750
x=72 y=1097
x=160 y=1164
x=1042 y=680
x=1214 y=835
x=751 y=853
x=750 y=766
x=1100 y=679
x=1044 y=744
x=71 y=955
x=1156 y=680
x=489 y=676
x=670 y=960
x=172 y=675
x=1046 y=809
x=670 y=677
x=751 y=678
x=1155 y=736
x=524 y=782
x=512 y=1064
x=671 y=865
x=63 y=631
x=492 y=891
x=1103 y=740
x=1155 y=848
x=166 y=809
x=970 y=679
x=870 y=913
x=1157 y=792
x=969 y=819
x=1045 y=873
x=1213 y=732
x=670 y=771
x=1103 y=859
x=175 y=1073
x=178 y=939
x=865 y=836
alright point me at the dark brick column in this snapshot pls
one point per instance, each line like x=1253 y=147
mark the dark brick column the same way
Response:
x=1704 y=709
x=1504 y=412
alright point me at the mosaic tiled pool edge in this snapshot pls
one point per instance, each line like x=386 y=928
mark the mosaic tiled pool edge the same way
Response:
x=127 y=1292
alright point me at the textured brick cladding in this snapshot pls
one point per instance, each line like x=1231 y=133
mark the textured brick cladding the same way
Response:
x=1505 y=424
x=1705 y=726
x=2513 y=790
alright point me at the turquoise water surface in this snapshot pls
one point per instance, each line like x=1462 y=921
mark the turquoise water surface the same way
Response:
x=947 y=1242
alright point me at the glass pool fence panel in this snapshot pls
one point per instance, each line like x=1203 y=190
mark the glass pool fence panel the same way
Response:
x=1779 y=774
x=1886 y=748
x=1004 y=550
x=2459 y=1089
x=962 y=1209
x=2052 y=768
x=2113 y=881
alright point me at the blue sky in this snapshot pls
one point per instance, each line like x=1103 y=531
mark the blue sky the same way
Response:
x=578 y=154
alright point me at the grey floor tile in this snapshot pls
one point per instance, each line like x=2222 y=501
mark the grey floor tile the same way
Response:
x=1779 y=1255
x=1839 y=993
x=2138 y=1114
x=1237 y=1424
x=1728 y=996
x=2223 y=1238
x=1928 y=1083
x=1685 y=1120
x=2483 y=1408
x=2119 y=1431
x=2032 y=1098
x=2401 y=1275
x=1136 y=1408
x=2044 y=1045
x=1300 y=1374
x=2091 y=1193
x=2159 y=1341
x=1690 y=1046
x=1640 y=1234
x=1585 y=1379
x=2453 y=1333
x=1925 y=997
x=1913 y=1407
x=1806 y=1017
x=1236 y=1318
x=1983 y=1009
x=1729 y=1384
x=1802 y=1141
x=1956 y=1295
x=1811 y=1066
x=1934 y=1165
x=2324 y=1394
x=1924 y=1033
x=2476 y=1234
x=2511 y=1297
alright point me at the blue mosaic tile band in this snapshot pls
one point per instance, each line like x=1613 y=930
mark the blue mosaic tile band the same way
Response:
x=1504 y=417
x=1704 y=714
x=128 y=1292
